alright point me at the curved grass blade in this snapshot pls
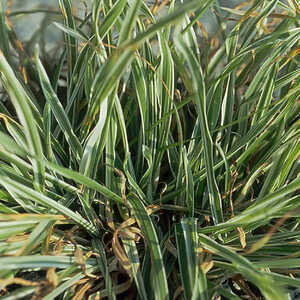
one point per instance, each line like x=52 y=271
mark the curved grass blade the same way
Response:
x=10 y=145
x=204 y=7
x=70 y=32
x=20 y=101
x=140 y=83
x=89 y=155
x=189 y=183
x=269 y=200
x=37 y=197
x=67 y=284
x=12 y=228
x=36 y=237
x=116 y=65
x=104 y=268
x=129 y=21
x=36 y=261
x=88 y=182
x=160 y=285
x=133 y=257
x=110 y=18
x=266 y=95
x=190 y=272
x=58 y=111
x=199 y=91
x=71 y=42
x=265 y=283
x=27 y=168
x=258 y=212
x=165 y=90
x=4 y=41
x=171 y=18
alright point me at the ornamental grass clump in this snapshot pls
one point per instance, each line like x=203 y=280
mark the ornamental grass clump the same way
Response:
x=149 y=159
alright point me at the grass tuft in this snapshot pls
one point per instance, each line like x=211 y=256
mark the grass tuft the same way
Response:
x=150 y=157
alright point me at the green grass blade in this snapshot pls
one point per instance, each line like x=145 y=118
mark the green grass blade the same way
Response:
x=20 y=101
x=160 y=285
x=70 y=32
x=37 y=261
x=133 y=257
x=110 y=18
x=57 y=108
x=104 y=268
x=71 y=42
x=81 y=179
x=128 y=22
x=37 y=197
x=187 y=245
x=4 y=42
x=246 y=268
x=9 y=229
x=199 y=91
x=10 y=145
x=189 y=183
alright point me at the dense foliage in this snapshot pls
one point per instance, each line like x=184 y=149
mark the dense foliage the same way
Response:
x=149 y=159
